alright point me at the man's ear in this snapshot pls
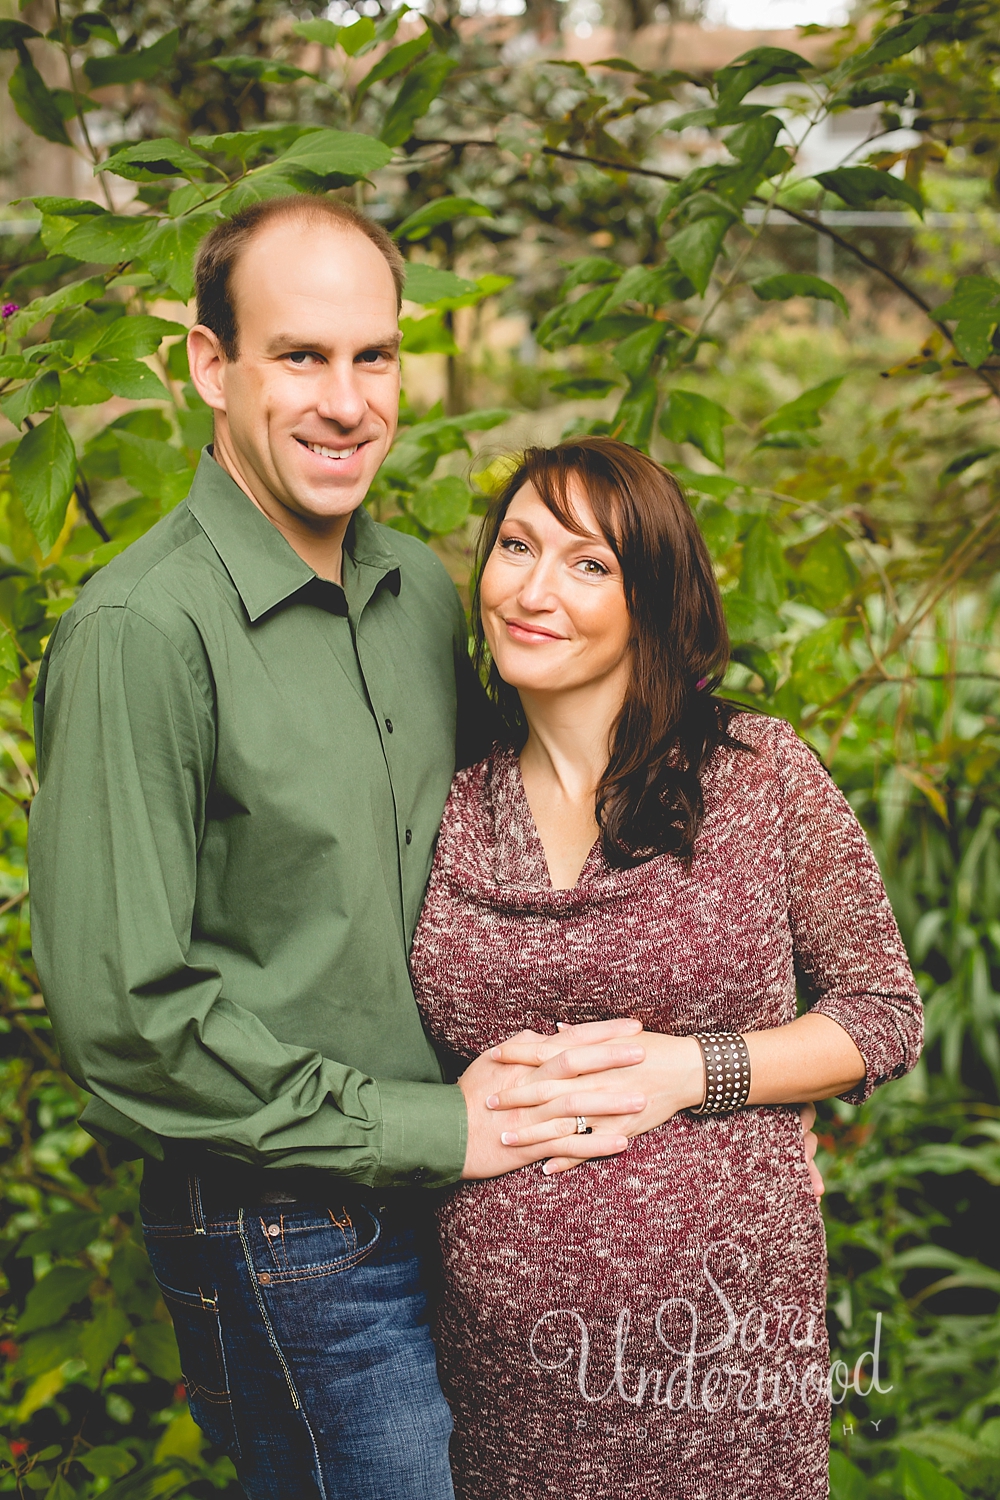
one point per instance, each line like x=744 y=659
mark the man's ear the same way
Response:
x=208 y=364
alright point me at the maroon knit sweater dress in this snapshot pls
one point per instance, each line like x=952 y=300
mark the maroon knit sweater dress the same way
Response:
x=651 y=1326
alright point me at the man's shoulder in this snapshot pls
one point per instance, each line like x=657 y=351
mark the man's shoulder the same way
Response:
x=416 y=559
x=154 y=565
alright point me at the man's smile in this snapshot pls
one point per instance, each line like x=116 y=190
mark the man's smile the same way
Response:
x=327 y=452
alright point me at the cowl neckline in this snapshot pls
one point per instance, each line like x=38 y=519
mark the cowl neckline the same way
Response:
x=502 y=864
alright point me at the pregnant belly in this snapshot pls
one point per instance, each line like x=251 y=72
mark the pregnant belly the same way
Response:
x=700 y=1248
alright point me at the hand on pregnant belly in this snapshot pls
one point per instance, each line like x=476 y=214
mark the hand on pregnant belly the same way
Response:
x=502 y=1139
x=668 y=1076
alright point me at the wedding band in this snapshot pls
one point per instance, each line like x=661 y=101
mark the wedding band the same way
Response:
x=582 y=1128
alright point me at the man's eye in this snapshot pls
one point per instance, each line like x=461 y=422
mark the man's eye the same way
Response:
x=300 y=357
x=372 y=356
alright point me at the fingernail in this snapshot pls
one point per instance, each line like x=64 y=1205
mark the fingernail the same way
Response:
x=509 y=1138
x=493 y=1101
x=495 y=1053
x=560 y=1025
x=622 y=1142
x=546 y=1169
x=637 y=1052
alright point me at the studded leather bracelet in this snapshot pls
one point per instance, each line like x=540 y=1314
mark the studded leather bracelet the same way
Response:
x=727 y=1072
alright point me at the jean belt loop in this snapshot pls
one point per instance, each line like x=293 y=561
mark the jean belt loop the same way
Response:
x=197 y=1211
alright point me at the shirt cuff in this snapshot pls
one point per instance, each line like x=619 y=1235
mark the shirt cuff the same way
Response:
x=425 y=1128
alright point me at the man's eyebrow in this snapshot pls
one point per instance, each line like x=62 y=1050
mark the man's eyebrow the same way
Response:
x=285 y=342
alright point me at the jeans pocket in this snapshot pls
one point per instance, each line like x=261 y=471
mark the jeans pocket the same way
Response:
x=198 y=1328
x=309 y=1242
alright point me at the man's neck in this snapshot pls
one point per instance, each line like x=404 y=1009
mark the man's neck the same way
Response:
x=320 y=546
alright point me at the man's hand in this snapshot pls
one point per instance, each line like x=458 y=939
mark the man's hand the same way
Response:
x=808 y=1116
x=597 y=1047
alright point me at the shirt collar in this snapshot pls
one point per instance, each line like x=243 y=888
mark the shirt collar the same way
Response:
x=265 y=570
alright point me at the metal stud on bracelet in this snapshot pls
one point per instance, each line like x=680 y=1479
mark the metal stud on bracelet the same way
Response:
x=727 y=1072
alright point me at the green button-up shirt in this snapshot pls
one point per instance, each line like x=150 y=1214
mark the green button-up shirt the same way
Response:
x=243 y=769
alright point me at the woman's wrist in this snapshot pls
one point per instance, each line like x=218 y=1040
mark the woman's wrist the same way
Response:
x=691 y=1080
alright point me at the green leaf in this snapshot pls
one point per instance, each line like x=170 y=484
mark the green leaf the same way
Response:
x=48 y=1350
x=965 y=461
x=155 y=1347
x=182 y=1438
x=357 y=37
x=763 y=572
x=649 y=285
x=260 y=69
x=635 y=355
x=394 y=62
x=721 y=486
x=132 y=379
x=100 y=1338
x=427 y=284
x=804 y=411
x=109 y=1461
x=13 y=35
x=132 y=337
x=131 y=1276
x=128 y=67
x=90 y=23
x=438 y=211
x=688 y=417
x=443 y=505
x=51 y=1298
x=328 y=153
x=64 y=1234
x=35 y=103
x=792 y=284
x=897 y=42
x=975 y=306
x=846 y=1482
x=43 y=468
x=696 y=249
x=816 y=673
x=247 y=145
x=170 y=250
x=323 y=32
x=107 y=238
x=858 y=186
x=752 y=69
x=717 y=525
x=427 y=335
x=38 y=394
x=751 y=143
x=153 y=468
x=149 y=159
x=749 y=619
x=582 y=387
x=418 y=91
x=60 y=1489
x=593 y=268
x=633 y=421
x=920 y=1480
x=827 y=570
x=82 y=388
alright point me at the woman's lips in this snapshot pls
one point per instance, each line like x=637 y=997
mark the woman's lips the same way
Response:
x=522 y=631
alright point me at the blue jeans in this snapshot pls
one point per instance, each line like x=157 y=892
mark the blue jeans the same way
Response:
x=303 y=1333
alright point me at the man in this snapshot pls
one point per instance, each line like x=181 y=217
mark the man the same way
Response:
x=246 y=731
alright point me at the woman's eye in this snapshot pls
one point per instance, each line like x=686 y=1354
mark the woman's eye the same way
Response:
x=593 y=568
x=513 y=544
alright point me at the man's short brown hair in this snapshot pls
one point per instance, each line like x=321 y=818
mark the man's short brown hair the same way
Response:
x=222 y=247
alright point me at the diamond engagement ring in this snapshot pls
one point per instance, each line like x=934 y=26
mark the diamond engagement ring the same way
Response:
x=582 y=1128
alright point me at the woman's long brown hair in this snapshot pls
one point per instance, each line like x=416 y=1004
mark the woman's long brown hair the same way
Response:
x=649 y=800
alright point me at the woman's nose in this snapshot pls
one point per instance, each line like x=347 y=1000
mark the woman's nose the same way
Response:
x=537 y=587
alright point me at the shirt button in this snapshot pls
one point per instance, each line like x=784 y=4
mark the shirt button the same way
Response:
x=388 y=725
x=409 y=835
x=420 y=1175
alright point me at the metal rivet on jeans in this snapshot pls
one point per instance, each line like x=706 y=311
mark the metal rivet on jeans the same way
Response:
x=274 y=1230
x=264 y=1278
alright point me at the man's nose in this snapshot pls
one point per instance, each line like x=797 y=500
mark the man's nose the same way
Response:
x=341 y=399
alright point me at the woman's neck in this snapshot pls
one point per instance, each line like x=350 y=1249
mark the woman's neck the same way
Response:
x=563 y=760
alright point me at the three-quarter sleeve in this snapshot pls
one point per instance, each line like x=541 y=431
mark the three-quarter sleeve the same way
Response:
x=849 y=956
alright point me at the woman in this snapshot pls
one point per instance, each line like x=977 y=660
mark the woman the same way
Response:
x=648 y=1326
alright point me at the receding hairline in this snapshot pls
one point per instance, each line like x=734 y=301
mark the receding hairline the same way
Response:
x=312 y=214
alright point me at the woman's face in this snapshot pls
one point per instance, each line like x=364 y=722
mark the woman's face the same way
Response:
x=553 y=601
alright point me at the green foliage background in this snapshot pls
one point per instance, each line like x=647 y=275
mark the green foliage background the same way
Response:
x=852 y=511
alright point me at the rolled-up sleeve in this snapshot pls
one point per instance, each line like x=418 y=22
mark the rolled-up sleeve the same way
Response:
x=849 y=955
x=126 y=739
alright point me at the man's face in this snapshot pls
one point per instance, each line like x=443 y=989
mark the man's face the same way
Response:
x=308 y=409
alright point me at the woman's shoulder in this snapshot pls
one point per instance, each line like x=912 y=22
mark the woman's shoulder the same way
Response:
x=764 y=751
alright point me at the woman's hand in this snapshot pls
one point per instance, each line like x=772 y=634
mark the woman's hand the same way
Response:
x=670 y=1077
